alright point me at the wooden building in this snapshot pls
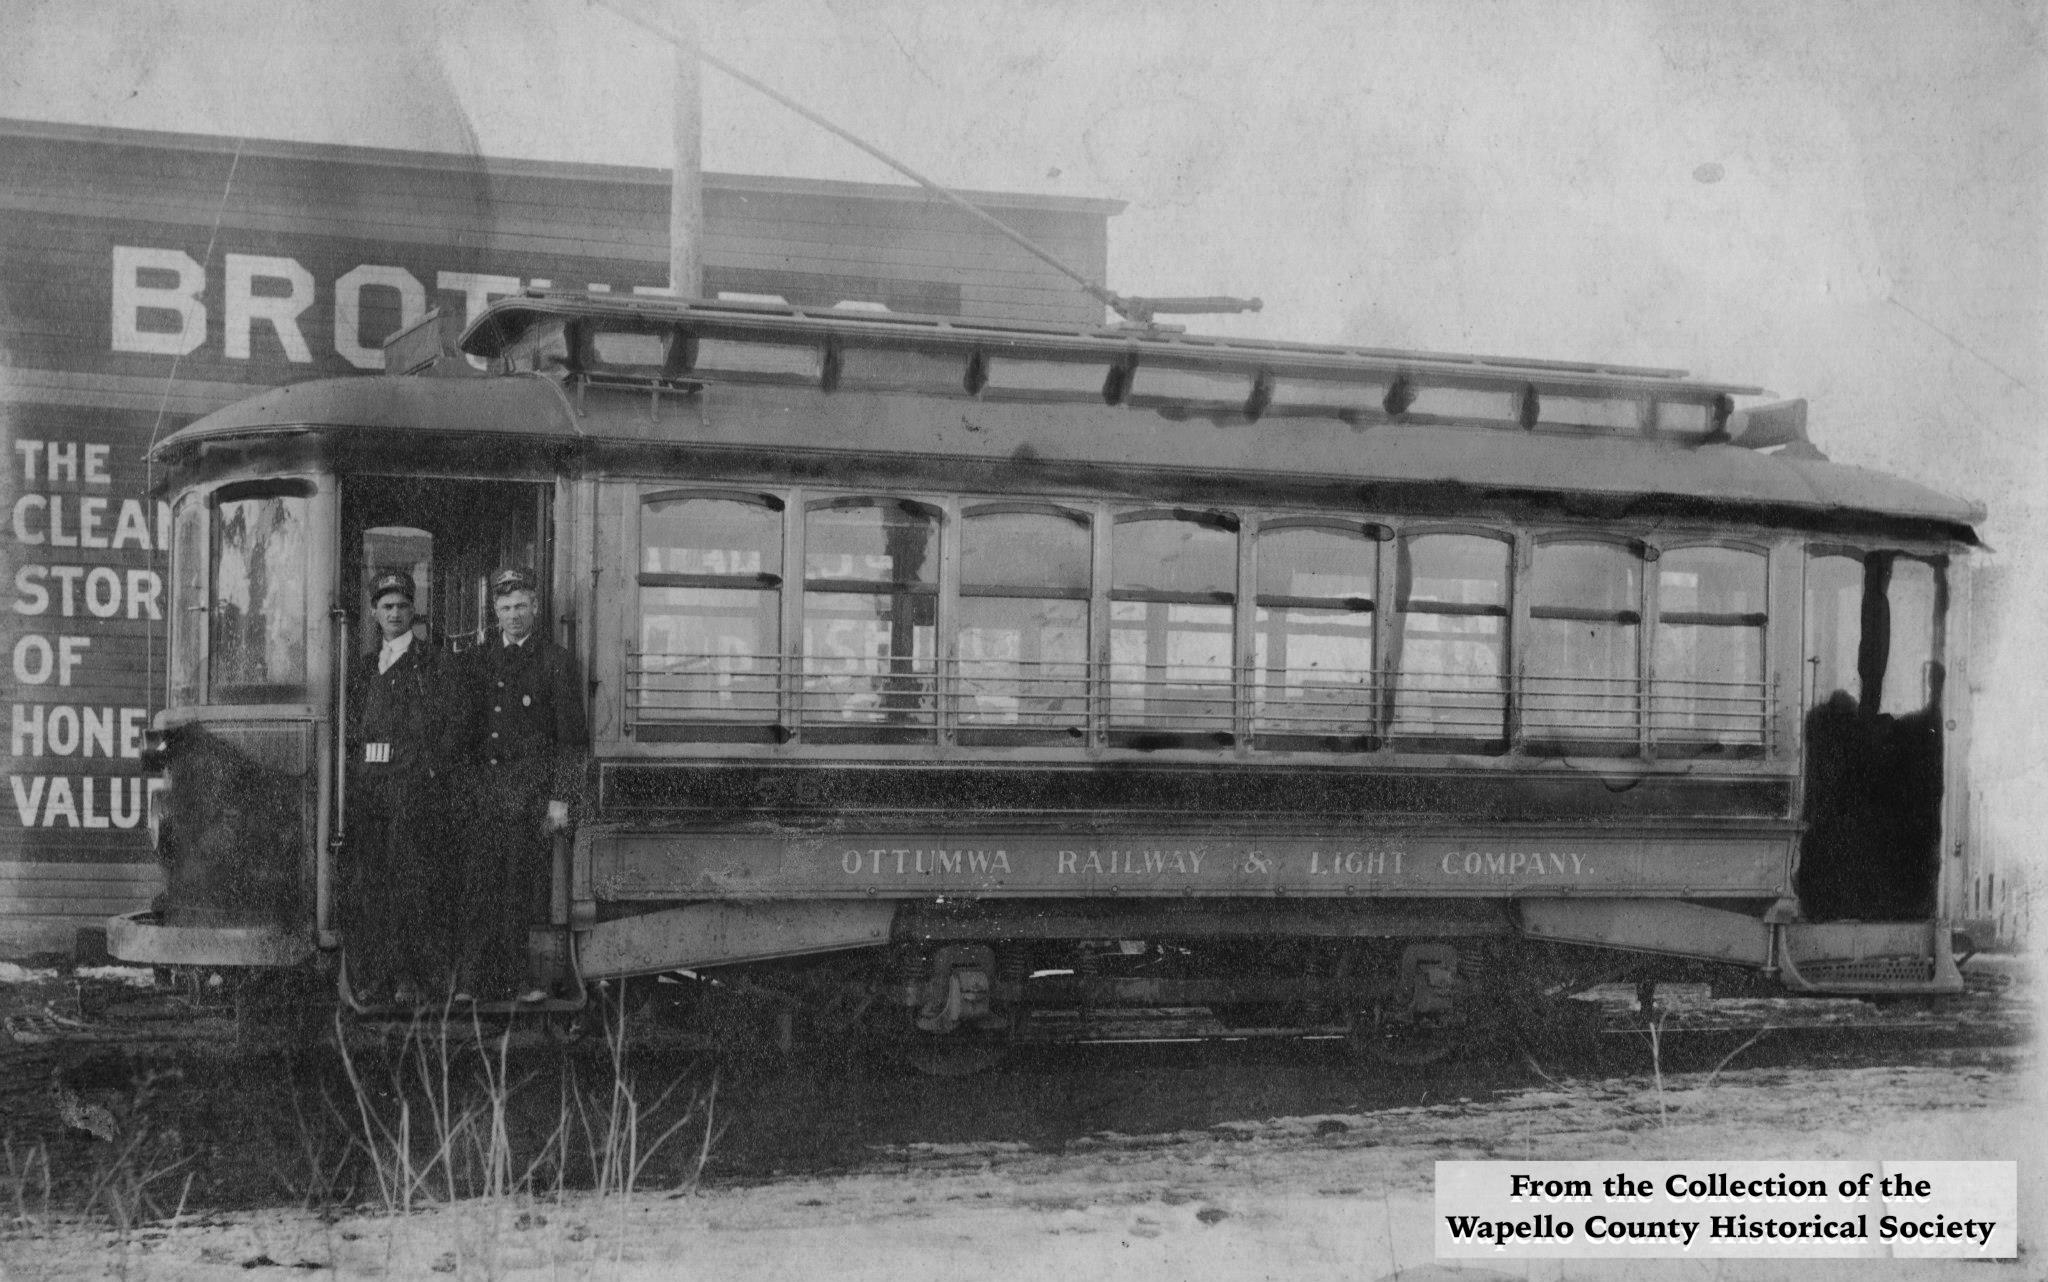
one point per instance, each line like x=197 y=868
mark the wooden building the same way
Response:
x=147 y=278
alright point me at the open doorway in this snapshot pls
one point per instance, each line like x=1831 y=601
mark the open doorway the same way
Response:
x=449 y=535
x=1873 y=732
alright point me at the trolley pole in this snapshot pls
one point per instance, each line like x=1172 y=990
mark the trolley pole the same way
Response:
x=686 y=195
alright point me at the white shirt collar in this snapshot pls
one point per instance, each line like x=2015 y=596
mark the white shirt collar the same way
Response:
x=392 y=650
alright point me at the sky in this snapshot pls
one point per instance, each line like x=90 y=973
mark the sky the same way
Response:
x=1838 y=201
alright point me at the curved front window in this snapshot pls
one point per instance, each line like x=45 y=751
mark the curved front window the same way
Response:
x=242 y=624
x=189 y=545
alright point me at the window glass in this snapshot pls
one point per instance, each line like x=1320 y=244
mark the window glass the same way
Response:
x=710 y=536
x=1312 y=632
x=870 y=616
x=1913 y=595
x=188 y=600
x=1023 y=662
x=1023 y=631
x=1581 y=650
x=1834 y=626
x=708 y=652
x=258 y=646
x=1315 y=562
x=1711 y=581
x=1452 y=633
x=1025 y=550
x=709 y=644
x=885 y=542
x=1169 y=666
x=1171 y=650
x=1182 y=554
x=1602 y=577
x=1709 y=654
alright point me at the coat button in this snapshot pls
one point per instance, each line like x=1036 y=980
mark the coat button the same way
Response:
x=501 y=685
x=526 y=701
x=494 y=734
x=497 y=707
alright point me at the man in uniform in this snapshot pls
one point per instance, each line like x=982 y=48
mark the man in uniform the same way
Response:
x=400 y=745
x=529 y=749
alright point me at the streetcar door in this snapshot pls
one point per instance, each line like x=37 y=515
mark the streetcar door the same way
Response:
x=449 y=536
x=1873 y=736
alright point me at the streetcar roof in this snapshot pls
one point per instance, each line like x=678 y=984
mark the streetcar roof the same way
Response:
x=1074 y=394
x=508 y=321
x=1480 y=460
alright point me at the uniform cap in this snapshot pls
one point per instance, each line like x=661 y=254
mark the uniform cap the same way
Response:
x=391 y=581
x=505 y=581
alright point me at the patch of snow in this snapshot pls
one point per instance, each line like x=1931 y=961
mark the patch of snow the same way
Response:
x=15 y=973
x=133 y=976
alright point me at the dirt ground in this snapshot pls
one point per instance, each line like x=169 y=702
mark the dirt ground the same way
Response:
x=1248 y=1191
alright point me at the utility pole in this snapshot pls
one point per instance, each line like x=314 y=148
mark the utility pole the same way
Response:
x=686 y=193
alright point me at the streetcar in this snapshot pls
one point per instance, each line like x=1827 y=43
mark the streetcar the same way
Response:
x=950 y=678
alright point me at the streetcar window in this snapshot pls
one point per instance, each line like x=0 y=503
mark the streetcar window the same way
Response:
x=1156 y=385
x=871 y=574
x=1022 y=671
x=630 y=348
x=1451 y=664
x=1709 y=693
x=1325 y=396
x=1173 y=589
x=1580 y=655
x=1465 y=402
x=188 y=601
x=257 y=645
x=1610 y=413
x=1688 y=418
x=1834 y=627
x=1914 y=595
x=885 y=369
x=741 y=360
x=1312 y=633
x=709 y=647
x=1051 y=380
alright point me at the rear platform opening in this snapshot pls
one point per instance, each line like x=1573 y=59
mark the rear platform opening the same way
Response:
x=1874 y=739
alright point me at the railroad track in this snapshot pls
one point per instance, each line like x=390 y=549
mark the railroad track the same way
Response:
x=1994 y=1007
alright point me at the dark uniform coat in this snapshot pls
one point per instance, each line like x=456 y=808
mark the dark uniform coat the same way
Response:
x=528 y=747
x=401 y=743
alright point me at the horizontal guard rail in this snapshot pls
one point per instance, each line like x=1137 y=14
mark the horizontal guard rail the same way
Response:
x=1134 y=696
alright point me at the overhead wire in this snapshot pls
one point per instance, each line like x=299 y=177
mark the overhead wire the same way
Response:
x=1129 y=307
